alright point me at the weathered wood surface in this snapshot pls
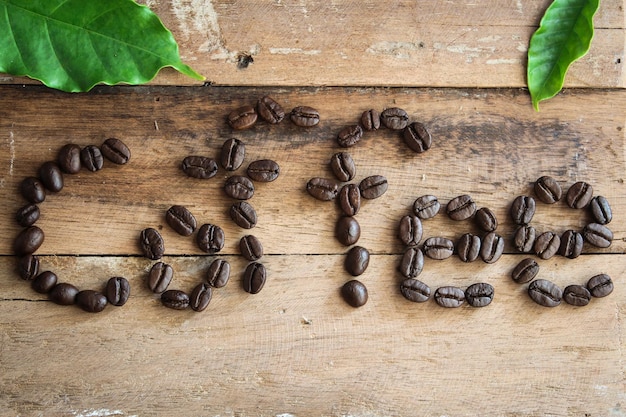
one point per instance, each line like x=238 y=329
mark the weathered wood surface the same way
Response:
x=296 y=348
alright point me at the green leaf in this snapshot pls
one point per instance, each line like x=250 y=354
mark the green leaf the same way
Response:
x=72 y=45
x=564 y=35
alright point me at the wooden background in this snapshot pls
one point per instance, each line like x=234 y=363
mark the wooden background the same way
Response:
x=296 y=349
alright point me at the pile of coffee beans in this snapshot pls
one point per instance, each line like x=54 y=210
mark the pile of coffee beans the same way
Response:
x=272 y=112
x=50 y=180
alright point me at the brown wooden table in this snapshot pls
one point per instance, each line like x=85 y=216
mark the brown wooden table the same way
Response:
x=296 y=348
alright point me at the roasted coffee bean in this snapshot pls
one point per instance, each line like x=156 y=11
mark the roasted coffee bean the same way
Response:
x=199 y=167
x=218 y=274
x=350 y=199
x=600 y=285
x=91 y=301
x=524 y=239
x=243 y=214
x=251 y=248
x=412 y=262
x=28 y=267
x=523 y=209
x=200 y=297
x=410 y=230
x=239 y=187
x=28 y=241
x=27 y=215
x=181 y=220
x=426 y=207
x=579 y=195
x=117 y=291
x=343 y=166
x=69 y=159
x=323 y=189
x=370 y=120
x=479 y=294
x=468 y=247
x=263 y=170
x=304 y=116
x=349 y=136
x=91 y=158
x=598 y=235
x=347 y=230
x=354 y=293
x=491 y=248
x=415 y=290
x=159 y=277
x=449 y=297
x=373 y=187
x=525 y=271
x=571 y=244
x=63 y=294
x=152 y=244
x=545 y=293
x=438 y=248
x=44 y=282
x=33 y=190
x=547 y=245
x=601 y=210
x=357 y=260
x=486 y=220
x=51 y=176
x=548 y=190
x=233 y=154
x=417 y=137
x=461 y=207
x=576 y=295
x=242 y=118
x=394 y=118
x=210 y=238
x=254 y=277
x=115 y=151
x=270 y=110
x=176 y=299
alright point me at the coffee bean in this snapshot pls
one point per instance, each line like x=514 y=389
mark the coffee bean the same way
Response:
x=600 y=285
x=200 y=297
x=491 y=248
x=438 y=248
x=601 y=210
x=233 y=154
x=412 y=262
x=449 y=297
x=33 y=190
x=270 y=110
x=91 y=301
x=159 y=277
x=524 y=239
x=468 y=247
x=354 y=293
x=410 y=230
x=323 y=189
x=347 y=230
x=251 y=248
x=91 y=158
x=218 y=273
x=27 y=215
x=175 y=299
x=242 y=118
x=576 y=295
x=254 y=277
x=199 y=167
x=51 y=176
x=152 y=244
x=486 y=220
x=210 y=238
x=239 y=187
x=525 y=271
x=479 y=294
x=571 y=244
x=545 y=293
x=598 y=235
x=343 y=166
x=349 y=136
x=548 y=190
x=28 y=241
x=181 y=220
x=115 y=151
x=350 y=199
x=394 y=118
x=243 y=214
x=370 y=120
x=304 y=116
x=373 y=187
x=263 y=170
x=547 y=245
x=426 y=207
x=417 y=137
x=28 y=267
x=117 y=291
x=357 y=260
x=523 y=209
x=63 y=294
x=69 y=159
x=579 y=195
x=461 y=208
x=44 y=282
x=415 y=290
